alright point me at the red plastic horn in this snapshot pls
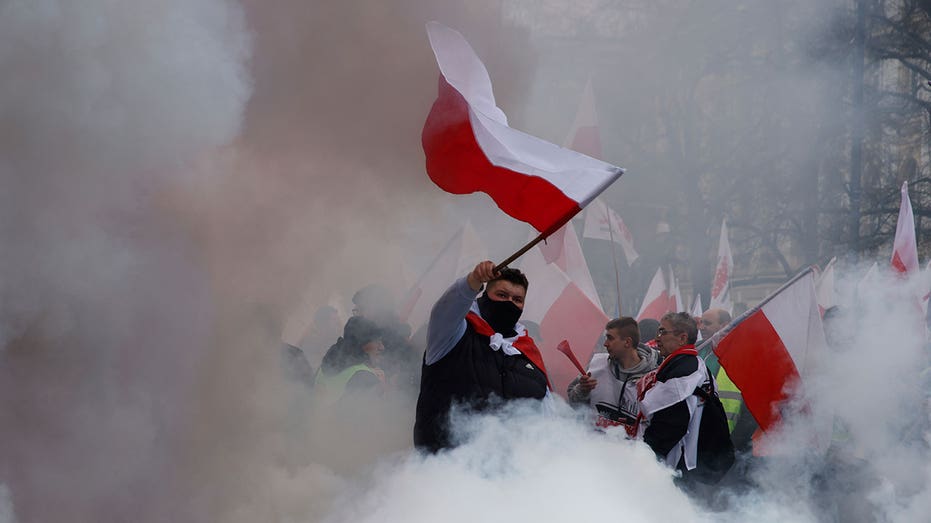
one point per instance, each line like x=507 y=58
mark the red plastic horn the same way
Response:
x=563 y=347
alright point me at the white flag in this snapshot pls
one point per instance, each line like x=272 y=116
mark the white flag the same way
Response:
x=602 y=223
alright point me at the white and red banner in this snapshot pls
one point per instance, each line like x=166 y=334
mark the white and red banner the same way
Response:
x=773 y=349
x=564 y=312
x=656 y=301
x=905 y=248
x=469 y=146
x=602 y=223
x=721 y=286
x=455 y=260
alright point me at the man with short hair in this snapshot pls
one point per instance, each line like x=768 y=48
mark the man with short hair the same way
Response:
x=476 y=351
x=712 y=321
x=610 y=386
x=670 y=411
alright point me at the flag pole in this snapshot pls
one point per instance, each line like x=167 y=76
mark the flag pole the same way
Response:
x=713 y=341
x=617 y=275
x=522 y=250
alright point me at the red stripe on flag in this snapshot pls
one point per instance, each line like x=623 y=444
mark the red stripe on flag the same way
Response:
x=757 y=362
x=898 y=264
x=457 y=164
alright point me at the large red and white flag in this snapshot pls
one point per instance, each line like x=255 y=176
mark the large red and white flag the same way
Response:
x=564 y=312
x=905 y=248
x=456 y=259
x=656 y=301
x=824 y=287
x=469 y=146
x=721 y=286
x=584 y=136
x=602 y=223
x=772 y=349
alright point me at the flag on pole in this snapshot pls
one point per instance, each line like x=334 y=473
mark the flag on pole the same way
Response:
x=563 y=249
x=905 y=248
x=469 y=146
x=563 y=312
x=870 y=278
x=656 y=301
x=770 y=350
x=584 y=136
x=721 y=287
x=602 y=223
x=696 y=312
x=456 y=259
x=675 y=297
x=824 y=287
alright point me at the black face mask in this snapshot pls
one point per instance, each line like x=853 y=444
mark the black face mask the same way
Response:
x=501 y=315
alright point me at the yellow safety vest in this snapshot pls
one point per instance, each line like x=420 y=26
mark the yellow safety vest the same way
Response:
x=329 y=389
x=730 y=398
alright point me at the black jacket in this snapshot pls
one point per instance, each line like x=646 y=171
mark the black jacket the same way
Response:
x=471 y=374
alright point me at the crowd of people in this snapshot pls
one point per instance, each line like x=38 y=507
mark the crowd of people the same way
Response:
x=651 y=382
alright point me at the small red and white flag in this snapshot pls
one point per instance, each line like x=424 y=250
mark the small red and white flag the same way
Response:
x=563 y=249
x=905 y=248
x=602 y=223
x=584 y=136
x=869 y=279
x=675 y=296
x=455 y=259
x=770 y=351
x=564 y=312
x=696 y=312
x=656 y=301
x=469 y=146
x=721 y=287
x=824 y=287
x=926 y=287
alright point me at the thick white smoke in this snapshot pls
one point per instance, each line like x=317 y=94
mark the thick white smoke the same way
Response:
x=105 y=310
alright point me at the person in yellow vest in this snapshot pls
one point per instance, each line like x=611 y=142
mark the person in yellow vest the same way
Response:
x=351 y=366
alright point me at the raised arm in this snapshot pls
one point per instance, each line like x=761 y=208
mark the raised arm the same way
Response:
x=447 y=318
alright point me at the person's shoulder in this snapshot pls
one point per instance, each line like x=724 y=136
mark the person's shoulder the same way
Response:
x=680 y=365
x=363 y=379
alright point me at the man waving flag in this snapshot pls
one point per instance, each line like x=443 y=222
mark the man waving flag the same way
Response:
x=469 y=146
